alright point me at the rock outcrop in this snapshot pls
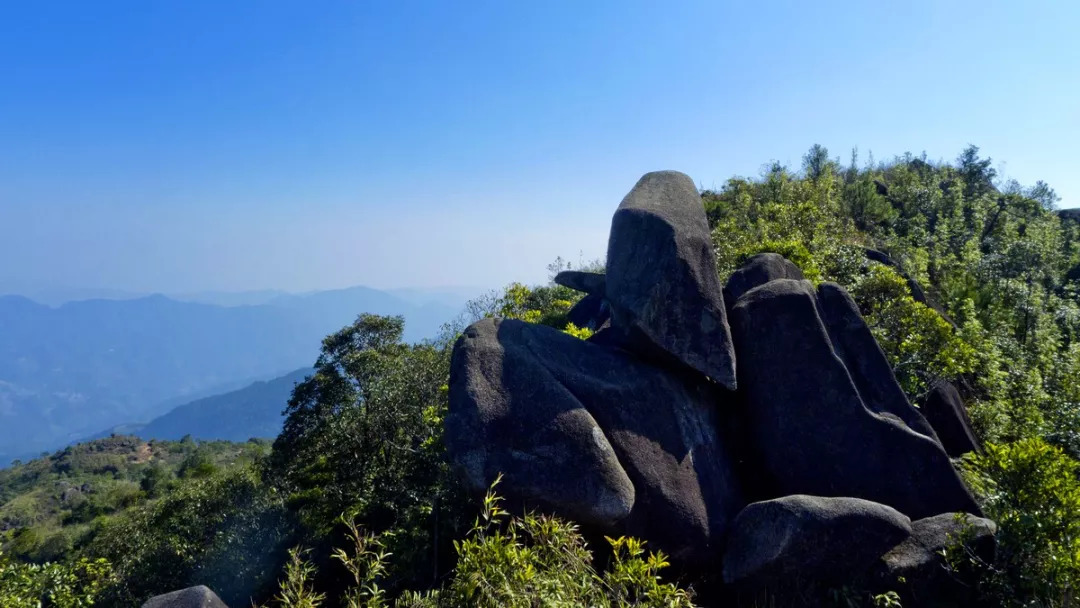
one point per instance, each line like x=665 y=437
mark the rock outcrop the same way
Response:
x=827 y=540
x=814 y=430
x=917 y=567
x=591 y=283
x=192 y=597
x=668 y=420
x=758 y=270
x=661 y=279
x=945 y=411
x=591 y=433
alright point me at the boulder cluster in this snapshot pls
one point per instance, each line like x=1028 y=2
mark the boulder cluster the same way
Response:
x=754 y=429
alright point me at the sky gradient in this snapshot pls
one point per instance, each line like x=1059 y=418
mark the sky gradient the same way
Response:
x=206 y=145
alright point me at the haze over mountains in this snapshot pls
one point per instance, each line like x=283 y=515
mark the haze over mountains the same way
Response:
x=71 y=370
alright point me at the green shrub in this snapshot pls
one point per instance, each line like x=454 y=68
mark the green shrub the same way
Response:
x=1031 y=489
x=921 y=346
x=75 y=585
x=516 y=562
x=225 y=531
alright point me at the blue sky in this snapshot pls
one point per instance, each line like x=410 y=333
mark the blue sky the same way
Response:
x=196 y=145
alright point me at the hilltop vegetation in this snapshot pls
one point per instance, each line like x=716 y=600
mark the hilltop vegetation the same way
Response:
x=55 y=505
x=961 y=277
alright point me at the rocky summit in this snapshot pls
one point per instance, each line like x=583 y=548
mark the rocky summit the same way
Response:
x=754 y=429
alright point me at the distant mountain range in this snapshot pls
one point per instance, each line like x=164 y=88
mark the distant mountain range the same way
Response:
x=253 y=411
x=69 y=371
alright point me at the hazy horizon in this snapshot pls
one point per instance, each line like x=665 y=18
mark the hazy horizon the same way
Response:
x=197 y=146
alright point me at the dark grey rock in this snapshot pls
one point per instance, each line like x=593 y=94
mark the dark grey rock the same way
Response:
x=945 y=411
x=807 y=421
x=579 y=280
x=864 y=359
x=192 y=597
x=758 y=270
x=662 y=284
x=590 y=312
x=810 y=538
x=917 y=569
x=592 y=433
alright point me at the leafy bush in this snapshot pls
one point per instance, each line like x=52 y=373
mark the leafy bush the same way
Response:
x=363 y=436
x=226 y=531
x=921 y=346
x=516 y=562
x=56 y=585
x=1032 y=490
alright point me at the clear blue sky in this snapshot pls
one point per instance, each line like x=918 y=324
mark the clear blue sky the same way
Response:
x=195 y=144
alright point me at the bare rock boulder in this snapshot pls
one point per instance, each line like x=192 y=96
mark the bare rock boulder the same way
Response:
x=826 y=420
x=661 y=279
x=809 y=538
x=591 y=433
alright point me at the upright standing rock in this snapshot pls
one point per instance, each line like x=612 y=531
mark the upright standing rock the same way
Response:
x=661 y=276
x=808 y=420
x=945 y=410
x=864 y=359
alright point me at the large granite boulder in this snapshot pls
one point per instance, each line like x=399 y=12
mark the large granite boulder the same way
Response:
x=758 y=270
x=945 y=411
x=192 y=597
x=865 y=361
x=810 y=538
x=661 y=279
x=917 y=568
x=591 y=433
x=821 y=418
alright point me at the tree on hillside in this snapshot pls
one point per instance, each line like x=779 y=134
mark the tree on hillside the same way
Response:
x=363 y=437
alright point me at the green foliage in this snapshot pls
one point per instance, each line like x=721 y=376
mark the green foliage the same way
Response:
x=366 y=565
x=77 y=585
x=1031 y=489
x=582 y=333
x=51 y=506
x=363 y=436
x=226 y=531
x=504 y=561
x=541 y=560
x=296 y=586
x=921 y=346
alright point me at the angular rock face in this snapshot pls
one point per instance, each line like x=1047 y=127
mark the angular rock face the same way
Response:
x=864 y=359
x=812 y=537
x=661 y=276
x=945 y=411
x=591 y=433
x=813 y=429
x=192 y=597
x=758 y=270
